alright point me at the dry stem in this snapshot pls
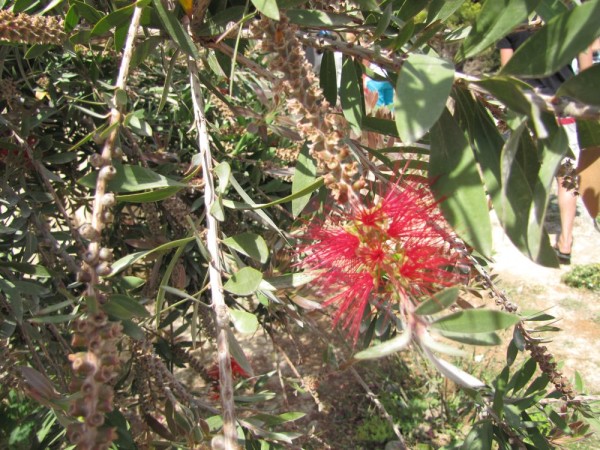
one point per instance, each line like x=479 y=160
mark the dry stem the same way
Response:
x=229 y=440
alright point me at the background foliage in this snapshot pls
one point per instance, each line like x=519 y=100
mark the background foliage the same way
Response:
x=110 y=296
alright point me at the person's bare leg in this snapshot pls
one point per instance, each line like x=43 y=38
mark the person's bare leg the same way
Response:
x=567 y=204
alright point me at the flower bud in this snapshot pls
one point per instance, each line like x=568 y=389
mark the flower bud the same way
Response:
x=103 y=269
x=106 y=254
x=87 y=231
x=107 y=173
x=97 y=161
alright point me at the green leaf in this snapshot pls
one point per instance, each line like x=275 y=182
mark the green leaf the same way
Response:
x=557 y=43
x=496 y=19
x=223 y=172
x=481 y=435
x=410 y=9
x=350 y=94
x=476 y=321
x=175 y=30
x=55 y=318
x=442 y=9
x=129 y=260
x=386 y=348
x=130 y=282
x=30 y=269
x=86 y=11
x=382 y=126
x=487 y=339
x=588 y=132
x=155 y=195
x=137 y=124
x=500 y=390
x=112 y=20
x=318 y=19
x=271 y=420
x=244 y=282
x=131 y=179
x=548 y=9
x=249 y=244
x=510 y=92
x=368 y=5
x=583 y=87
x=453 y=172
x=243 y=321
x=512 y=193
x=551 y=152
x=301 y=193
x=305 y=174
x=422 y=88
x=384 y=22
x=124 y=307
x=268 y=8
x=237 y=353
x=218 y=23
x=288 y=281
x=328 y=78
x=438 y=302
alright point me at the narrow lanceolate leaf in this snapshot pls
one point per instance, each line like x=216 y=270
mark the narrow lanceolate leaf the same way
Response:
x=250 y=244
x=268 y=8
x=350 y=95
x=422 y=88
x=244 y=282
x=438 y=302
x=496 y=19
x=386 y=348
x=243 y=321
x=552 y=152
x=508 y=185
x=131 y=179
x=456 y=181
x=327 y=77
x=583 y=87
x=473 y=338
x=480 y=437
x=175 y=30
x=124 y=307
x=452 y=372
x=557 y=43
x=305 y=174
x=476 y=321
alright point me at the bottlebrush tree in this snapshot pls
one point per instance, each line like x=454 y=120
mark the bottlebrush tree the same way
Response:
x=179 y=175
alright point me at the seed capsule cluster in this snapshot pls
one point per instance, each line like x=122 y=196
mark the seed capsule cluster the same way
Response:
x=95 y=369
x=28 y=29
x=324 y=130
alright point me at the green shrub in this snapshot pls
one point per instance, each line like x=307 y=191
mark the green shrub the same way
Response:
x=585 y=276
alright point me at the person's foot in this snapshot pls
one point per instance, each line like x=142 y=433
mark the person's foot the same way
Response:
x=563 y=252
x=563 y=258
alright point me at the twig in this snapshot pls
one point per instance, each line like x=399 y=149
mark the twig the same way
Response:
x=229 y=440
x=227 y=50
x=558 y=105
x=380 y=406
x=106 y=172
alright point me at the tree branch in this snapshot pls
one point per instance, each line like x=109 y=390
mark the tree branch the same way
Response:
x=229 y=440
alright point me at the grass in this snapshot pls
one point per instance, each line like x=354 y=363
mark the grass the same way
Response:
x=585 y=276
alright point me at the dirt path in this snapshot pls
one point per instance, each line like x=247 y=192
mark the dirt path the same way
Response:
x=578 y=310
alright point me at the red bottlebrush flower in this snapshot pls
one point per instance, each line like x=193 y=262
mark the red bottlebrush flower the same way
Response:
x=397 y=248
x=213 y=374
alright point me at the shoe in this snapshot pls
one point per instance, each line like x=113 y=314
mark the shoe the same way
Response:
x=563 y=258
